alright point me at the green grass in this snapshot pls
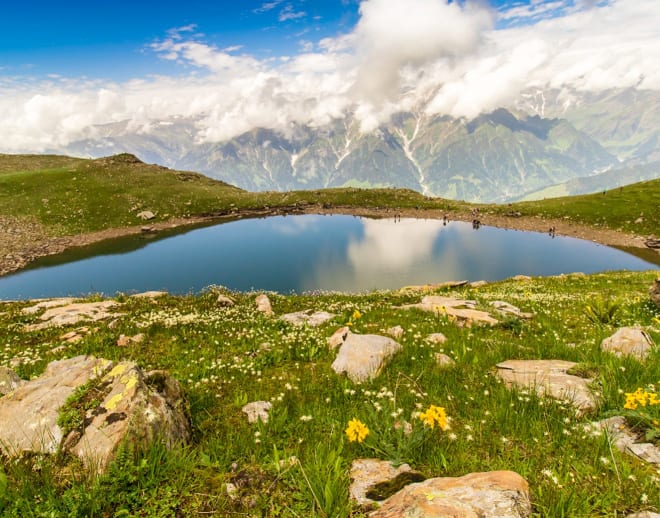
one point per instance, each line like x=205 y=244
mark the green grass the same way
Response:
x=617 y=209
x=297 y=464
x=72 y=196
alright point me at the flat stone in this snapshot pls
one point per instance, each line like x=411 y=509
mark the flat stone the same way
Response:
x=504 y=308
x=626 y=441
x=478 y=284
x=549 y=378
x=362 y=357
x=628 y=341
x=300 y=318
x=46 y=304
x=257 y=410
x=496 y=494
x=644 y=514
x=463 y=312
x=74 y=313
x=263 y=305
x=9 y=381
x=124 y=341
x=436 y=338
x=442 y=360
x=367 y=474
x=521 y=278
x=148 y=295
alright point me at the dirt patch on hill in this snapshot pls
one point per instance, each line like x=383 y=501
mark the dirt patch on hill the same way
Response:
x=22 y=240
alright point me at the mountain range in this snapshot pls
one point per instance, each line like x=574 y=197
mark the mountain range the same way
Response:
x=547 y=142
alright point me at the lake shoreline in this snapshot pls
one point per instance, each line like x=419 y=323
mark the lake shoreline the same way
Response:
x=28 y=245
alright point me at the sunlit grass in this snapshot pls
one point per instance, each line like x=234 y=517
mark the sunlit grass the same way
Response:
x=297 y=464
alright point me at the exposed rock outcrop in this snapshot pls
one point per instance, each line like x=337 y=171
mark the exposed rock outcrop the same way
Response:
x=371 y=477
x=463 y=312
x=550 y=378
x=300 y=318
x=496 y=494
x=628 y=341
x=263 y=305
x=73 y=313
x=362 y=357
x=121 y=404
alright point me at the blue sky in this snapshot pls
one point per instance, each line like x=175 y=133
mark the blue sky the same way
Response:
x=110 y=39
x=70 y=68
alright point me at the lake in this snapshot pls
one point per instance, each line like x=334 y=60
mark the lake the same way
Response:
x=311 y=252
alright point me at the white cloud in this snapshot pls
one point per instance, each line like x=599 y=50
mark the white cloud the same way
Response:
x=403 y=54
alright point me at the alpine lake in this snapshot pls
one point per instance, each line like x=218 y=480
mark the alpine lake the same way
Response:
x=308 y=253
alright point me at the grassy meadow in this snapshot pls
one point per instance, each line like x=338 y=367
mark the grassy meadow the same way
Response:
x=69 y=196
x=297 y=464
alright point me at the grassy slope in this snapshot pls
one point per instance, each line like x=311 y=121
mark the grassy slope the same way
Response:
x=617 y=209
x=217 y=355
x=72 y=196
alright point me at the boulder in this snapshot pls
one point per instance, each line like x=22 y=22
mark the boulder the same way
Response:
x=300 y=318
x=74 y=313
x=521 y=278
x=478 y=284
x=124 y=341
x=124 y=405
x=463 y=312
x=496 y=494
x=654 y=292
x=362 y=357
x=549 y=378
x=504 y=308
x=9 y=381
x=370 y=477
x=257 y=410
x=263 y=305
x=626 y=441
x=436 y=338
x=628 y=341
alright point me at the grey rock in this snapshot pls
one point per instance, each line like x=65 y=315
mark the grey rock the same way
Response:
x=496 y=494
x=362 y=357
x=463 y=312
x=626 y=441
x=46 y=304
x=133 y=407
x=300 y=318
x=338 y=337
x=224 y=301
x=366 y=474
x=549 y=377
x=505 y=308
x=644 y=514
x=628 y=341
x=74 y=313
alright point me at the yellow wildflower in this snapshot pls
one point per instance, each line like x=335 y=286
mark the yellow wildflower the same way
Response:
x=356 y=315
x=435 y=415
x=356 y=430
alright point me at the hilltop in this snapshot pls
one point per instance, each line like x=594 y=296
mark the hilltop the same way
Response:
x=49 y=203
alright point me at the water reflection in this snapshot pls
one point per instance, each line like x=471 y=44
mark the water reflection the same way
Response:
x=305 y=253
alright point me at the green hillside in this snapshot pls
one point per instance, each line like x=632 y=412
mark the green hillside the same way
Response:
x=71 y=196
x=634 y=208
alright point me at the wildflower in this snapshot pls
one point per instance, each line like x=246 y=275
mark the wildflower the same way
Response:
x=644 y=498
x=356 y=315
x=356 y=430
x=435 y=415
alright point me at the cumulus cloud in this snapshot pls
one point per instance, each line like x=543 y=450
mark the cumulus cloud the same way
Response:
x=431 y=56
